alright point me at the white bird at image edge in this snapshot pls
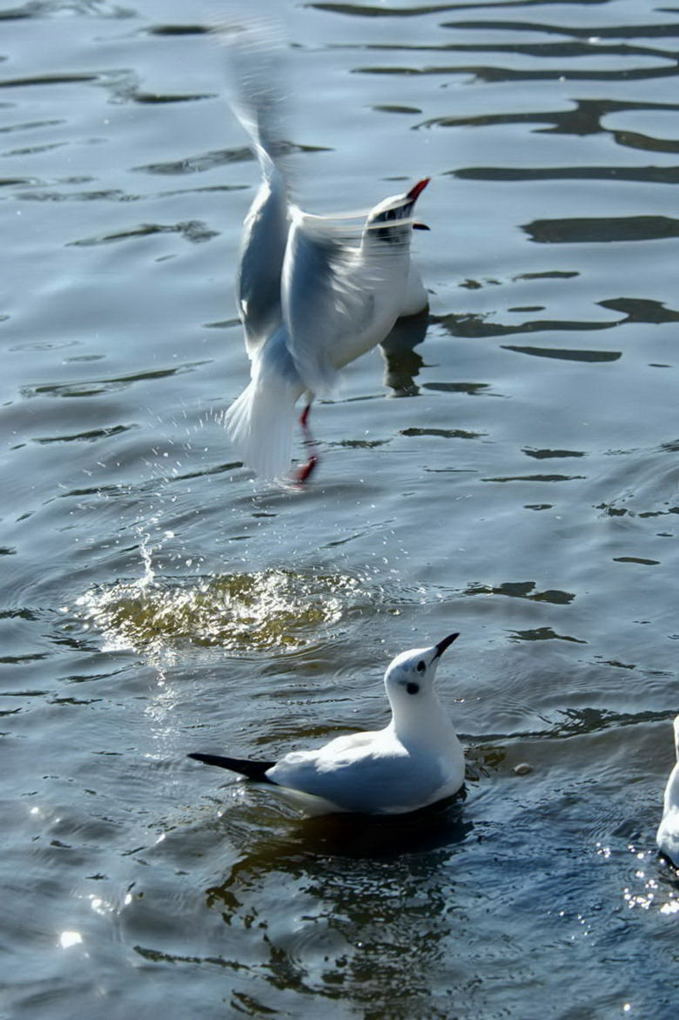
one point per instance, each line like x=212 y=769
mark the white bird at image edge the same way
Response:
x=415 y=761
x=668 y=830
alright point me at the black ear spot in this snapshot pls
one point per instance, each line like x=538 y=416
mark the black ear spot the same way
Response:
x=412 y=688
x=421 y=666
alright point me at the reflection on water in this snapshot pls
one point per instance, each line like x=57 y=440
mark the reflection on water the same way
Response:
x=402 y=361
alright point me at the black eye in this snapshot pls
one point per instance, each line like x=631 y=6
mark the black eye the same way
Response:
x=412 y=688
x=421 y=666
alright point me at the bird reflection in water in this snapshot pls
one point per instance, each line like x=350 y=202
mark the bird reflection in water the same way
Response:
x=402 y=363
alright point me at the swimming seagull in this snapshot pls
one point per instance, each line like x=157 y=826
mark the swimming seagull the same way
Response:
x=414 y=761
x=311 y=297
x=668 y=830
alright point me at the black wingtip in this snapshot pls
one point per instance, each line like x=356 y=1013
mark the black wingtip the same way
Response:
x=255 y=770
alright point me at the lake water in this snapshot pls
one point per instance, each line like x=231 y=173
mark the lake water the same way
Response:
x=508 y=469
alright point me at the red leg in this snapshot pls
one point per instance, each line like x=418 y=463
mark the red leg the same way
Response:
x=307 y=469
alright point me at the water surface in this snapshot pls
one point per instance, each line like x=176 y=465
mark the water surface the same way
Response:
x=506 y=467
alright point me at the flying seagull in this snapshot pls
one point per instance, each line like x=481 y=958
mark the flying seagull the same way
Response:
x=312 y=294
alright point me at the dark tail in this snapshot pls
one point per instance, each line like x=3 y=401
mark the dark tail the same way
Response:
x=252 y=769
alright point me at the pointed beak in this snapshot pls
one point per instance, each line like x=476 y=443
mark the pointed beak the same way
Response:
x=442 y=645
x=420 y=226
x=417 y=189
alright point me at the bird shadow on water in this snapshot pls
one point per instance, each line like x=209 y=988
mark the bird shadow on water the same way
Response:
x=356 y=836
x=402 y=361
x=364 y=836
x=304 y=852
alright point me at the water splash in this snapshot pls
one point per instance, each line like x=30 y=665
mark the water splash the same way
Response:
x=237 y=612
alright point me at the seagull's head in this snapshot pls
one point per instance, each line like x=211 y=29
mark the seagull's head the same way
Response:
x=390 y=222
x=410 y=677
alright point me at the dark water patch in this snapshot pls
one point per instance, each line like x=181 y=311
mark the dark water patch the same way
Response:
x=636 y=559
x=648 y=30
x=98 y=195
x=360 y=444
x=49 y=80
x=19 y=614
x=74 y=702
x=575 y=722
x=24 y=694
x=161 y=956
x=95 y=387
x=553 y=274
x=87 y=437
x=548 y=454
x=199 y=164
x=522 y=590
x=33 y=150
x=432 y=828
x=159 y=98
x=391 y=108
x=368 y=11
x=535 y=478
x=647 y=174
x=491 y=75
x=443 y=433
x=469 y=388
x=222 y=324
x=541 y=50
x=41 y=9
x=645 y=143
x=565 y=354
x=659 y=513
x=383 y=11
x=616 y=664
x=31 y=125
x=10 y=182
x=544 y=634
x=602 y=231
x=175 y=30
x=218 y=158
x=641 y=310
x=477 y=326
x=191 y=230
x=17 y=660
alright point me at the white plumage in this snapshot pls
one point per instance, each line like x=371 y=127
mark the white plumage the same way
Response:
x=416 y=760
x=668 y=830
x=311 y=298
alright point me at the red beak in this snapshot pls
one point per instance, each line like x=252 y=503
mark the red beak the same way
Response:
x=417 y=189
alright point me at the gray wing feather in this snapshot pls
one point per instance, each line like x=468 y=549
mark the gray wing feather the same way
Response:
x=324 y=300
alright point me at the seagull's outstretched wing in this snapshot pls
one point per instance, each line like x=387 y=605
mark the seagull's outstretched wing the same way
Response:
x=325 y=303
x=251 y=769
x=259 y=100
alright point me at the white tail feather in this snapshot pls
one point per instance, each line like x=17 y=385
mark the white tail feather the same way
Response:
x=260 y=423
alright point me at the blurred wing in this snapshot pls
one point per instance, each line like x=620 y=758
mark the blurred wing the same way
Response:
x=259 y=99
x=258 y=76
x=327 y=299
x=258 y=282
